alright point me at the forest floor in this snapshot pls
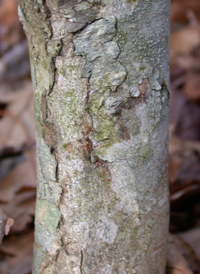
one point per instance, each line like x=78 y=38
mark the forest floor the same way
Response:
x=17 y=141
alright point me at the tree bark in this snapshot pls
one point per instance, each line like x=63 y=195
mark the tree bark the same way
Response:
x=101 y=85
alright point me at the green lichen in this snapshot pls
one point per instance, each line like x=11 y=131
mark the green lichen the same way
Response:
x=48 y=215
x=105 y=82
x=72 y=68
x=103 y=150
x=141 y=155
x=104 y=124
x=54 y=47
x=105 y=129
x=143 y=151
x=131 y=1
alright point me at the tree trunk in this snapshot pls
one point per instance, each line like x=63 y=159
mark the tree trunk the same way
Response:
x=100 y=77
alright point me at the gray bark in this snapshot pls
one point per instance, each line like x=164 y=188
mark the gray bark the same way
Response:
x=100 y=77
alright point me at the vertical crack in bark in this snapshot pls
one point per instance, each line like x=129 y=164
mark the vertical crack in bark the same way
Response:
x=63 y=246
x=53 y=61
x=81 y=262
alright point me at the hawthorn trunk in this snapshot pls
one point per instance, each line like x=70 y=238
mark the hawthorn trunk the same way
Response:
x=101 y=86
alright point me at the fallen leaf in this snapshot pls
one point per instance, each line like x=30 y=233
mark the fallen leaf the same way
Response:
x=192 y=237
x=22 y=175
x=3 y=220
x=180 y=8
x=9 y=224
x=17 y=127
x=184 y=116
x=17 y=254
x=21 y=209
x=183 y=41
x=192 y=86
x=181 y=259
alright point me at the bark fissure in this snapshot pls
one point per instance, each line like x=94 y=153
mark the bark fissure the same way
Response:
x=60 y=45
x=81 y=263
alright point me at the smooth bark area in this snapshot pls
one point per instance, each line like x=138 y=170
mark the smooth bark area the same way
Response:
x=100 y=76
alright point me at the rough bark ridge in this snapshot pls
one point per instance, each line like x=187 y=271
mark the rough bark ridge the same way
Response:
x=100 y=76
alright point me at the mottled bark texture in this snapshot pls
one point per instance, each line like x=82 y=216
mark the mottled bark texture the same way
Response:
x=100 y=77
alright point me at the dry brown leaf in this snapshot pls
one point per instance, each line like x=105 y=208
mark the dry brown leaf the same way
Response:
x=5 y=225
x=22 y=175
x=3 y=220
x=10 y=94
x=180 y=8
x=192 y=86
x=192 y=237
x=183 y=41
x=188 y=62
x=185 y=116
x=175 y=270
x=21 y=209
x=176 y=264
x=11 y=28
x=183 y=160
x=8 y=12
x=17 y=127
x=15 y=63
x=17 y=253
x=9 y=224
x=181 y=258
